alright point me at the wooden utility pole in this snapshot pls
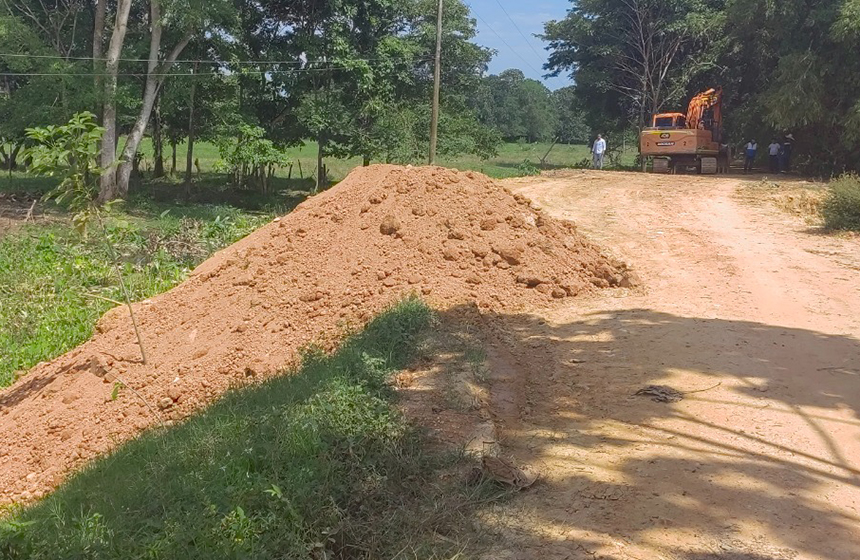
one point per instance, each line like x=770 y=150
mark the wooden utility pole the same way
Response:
x=437 y=78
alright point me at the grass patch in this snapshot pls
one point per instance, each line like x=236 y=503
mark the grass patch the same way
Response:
x=313 y=465
x=841 y=207
x=50 y=277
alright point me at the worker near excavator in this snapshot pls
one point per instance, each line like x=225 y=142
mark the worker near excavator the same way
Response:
x=773 y=152
x=751 y=150
x=598 y=150
x=785 y=154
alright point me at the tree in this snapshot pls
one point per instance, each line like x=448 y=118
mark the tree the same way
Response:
x=631 y=58
x=571 y=127
x=519 y=108
x=780 y=83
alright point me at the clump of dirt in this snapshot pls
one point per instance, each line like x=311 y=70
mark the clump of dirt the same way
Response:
x=331 y=264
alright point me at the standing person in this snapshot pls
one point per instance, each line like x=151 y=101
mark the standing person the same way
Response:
x=787 y=147
x=773 y=153
x=597 y=151
x=751 y=149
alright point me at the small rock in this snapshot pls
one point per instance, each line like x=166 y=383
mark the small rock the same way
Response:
x=480 y=251
x=488 y=224
x=512 y=254
x=165 y=402
x=389 y=282
x=530 y=280
x=389 y=226
x=414 y=279
x=457 y=233
x=558 y=293
x=174 y=393
x=450 y=254
x=545 y=289
x=473 y=279
x=381 y=275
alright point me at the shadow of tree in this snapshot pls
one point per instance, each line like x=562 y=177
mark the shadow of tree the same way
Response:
x=759 y=461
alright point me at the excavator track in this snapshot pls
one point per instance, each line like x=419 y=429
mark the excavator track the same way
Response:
x=661 y=165
x=708 y=166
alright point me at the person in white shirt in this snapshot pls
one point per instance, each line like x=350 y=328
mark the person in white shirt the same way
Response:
x=598 y=150
x=773 y=154
x=751 y=149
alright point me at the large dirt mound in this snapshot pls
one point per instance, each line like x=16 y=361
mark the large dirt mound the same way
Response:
x=337 y=259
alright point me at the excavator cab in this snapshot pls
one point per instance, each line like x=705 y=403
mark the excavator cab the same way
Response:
x=669 y=121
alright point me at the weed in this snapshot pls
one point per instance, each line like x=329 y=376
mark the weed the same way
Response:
x=317 y=464
x=527 y=168
x=841 y=207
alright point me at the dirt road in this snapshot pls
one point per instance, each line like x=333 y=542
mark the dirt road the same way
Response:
x=744 y=308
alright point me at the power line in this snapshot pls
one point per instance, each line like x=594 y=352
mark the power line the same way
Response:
x=477 y=15
x=517 y=27
x=199 y=61
x=167 y=74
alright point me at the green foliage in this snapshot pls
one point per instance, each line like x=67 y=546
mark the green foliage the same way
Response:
x=528 y=168
x=571 y=127
x=249 y=157
x=314 y=464
x=49 y=275
x=517 y=107
x=841 y=207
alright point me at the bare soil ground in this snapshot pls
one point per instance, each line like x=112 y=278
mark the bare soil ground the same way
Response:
x=747 y=309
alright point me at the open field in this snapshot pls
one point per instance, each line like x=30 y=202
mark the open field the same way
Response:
x=508 y=163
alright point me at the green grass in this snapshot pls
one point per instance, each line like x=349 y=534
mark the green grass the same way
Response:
x=313 y=465
x=506 y=164
x=49 y=275
x=512 y=160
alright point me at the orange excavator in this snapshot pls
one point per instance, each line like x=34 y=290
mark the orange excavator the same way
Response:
x=677 y=141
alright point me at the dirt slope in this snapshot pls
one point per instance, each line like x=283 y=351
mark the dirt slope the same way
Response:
x=763 y=466
x=340 y=257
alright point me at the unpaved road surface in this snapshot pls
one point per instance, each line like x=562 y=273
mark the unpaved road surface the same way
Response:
x=746 y=309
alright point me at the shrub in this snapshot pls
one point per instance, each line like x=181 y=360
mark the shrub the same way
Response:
x=528 y=168
x=841 y=208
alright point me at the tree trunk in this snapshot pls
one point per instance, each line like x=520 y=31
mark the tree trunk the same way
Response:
x=157 y=141
x=108 y=190
x=173 y=143
x=98 y=49
x=320 y=167
x=189 y=160
x=154 y=79
x=366 y=161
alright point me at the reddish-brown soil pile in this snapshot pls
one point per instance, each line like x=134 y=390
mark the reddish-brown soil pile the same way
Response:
x=340 y=257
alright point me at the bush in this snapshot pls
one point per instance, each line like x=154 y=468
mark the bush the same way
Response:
x=528 y=168
x=841 y=208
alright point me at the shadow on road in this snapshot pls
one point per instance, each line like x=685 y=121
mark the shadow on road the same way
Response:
x=763 y=466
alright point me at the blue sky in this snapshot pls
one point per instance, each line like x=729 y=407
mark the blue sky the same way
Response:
x=495 y=29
